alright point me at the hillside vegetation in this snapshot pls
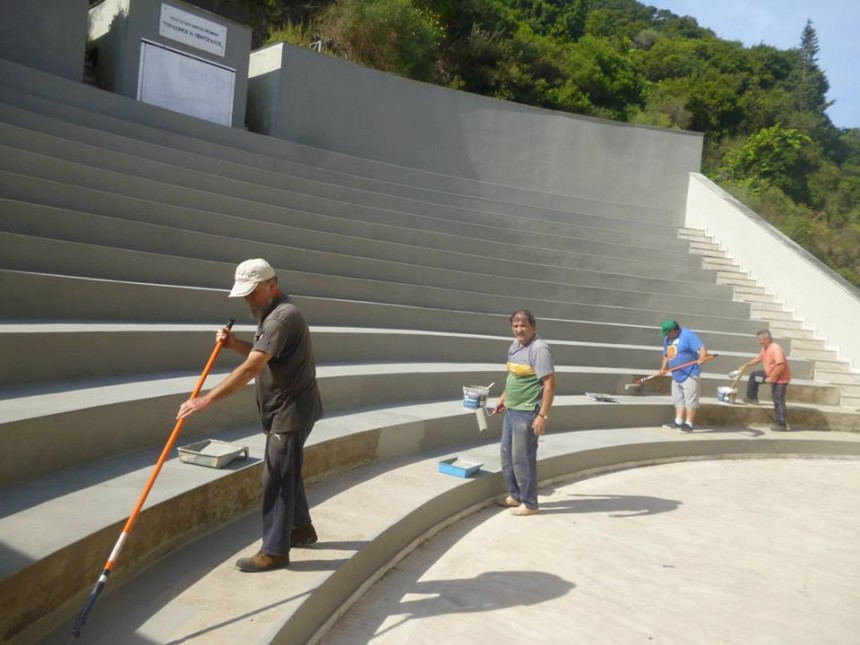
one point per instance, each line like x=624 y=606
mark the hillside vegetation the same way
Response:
x=768 y=139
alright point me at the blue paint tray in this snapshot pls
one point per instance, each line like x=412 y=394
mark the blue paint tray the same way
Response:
x=459 y=467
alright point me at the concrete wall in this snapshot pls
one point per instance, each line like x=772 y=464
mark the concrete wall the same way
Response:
x=49 y=35
x=324 y=102
x=829 y=305
x=118 y=26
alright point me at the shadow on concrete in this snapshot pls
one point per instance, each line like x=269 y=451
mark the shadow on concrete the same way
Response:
x=487 y=591
x=613 y=505
x=750 y=432
x=235 y=619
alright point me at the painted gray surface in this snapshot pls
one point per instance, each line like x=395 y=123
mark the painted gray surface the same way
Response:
x=97 y=137
x=122 y=24
x=427 y=500
x=49 y=35
x=327 y=103
x=144 y=122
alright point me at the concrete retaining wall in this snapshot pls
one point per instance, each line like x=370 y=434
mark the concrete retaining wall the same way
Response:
x=49 y=35
x=313 y=99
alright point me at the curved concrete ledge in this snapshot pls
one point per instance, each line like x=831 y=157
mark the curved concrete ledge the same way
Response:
x=135 y=158
x=83 y=299
x=358 y=546
x=57 y=425
x=82 y=352
x=302 y=246
x=346 y=276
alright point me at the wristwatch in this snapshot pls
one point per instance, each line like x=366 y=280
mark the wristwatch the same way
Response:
x=543 y=416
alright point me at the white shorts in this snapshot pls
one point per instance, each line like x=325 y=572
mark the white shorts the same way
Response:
x=685 y=394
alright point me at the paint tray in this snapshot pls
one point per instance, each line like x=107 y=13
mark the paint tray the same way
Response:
x=459 y=467
x=211 y=453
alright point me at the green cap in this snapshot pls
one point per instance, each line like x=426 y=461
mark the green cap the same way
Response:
x=667 y=326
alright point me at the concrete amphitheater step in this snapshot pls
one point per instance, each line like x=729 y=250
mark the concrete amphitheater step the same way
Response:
x=98 y=350
x=307 y=250
x=261 y=221
x=38 y=296
x=271 y=223
x=55 y=96
x=325 y=579
x=27 y=130
x=218 y=194
x=468 y=292
x=54 y=425
x=276 y=189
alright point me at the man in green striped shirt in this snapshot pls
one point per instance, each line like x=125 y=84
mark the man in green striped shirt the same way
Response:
x=527 y=400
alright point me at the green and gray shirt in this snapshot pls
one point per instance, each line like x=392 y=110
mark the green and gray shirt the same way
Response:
x=527 y=367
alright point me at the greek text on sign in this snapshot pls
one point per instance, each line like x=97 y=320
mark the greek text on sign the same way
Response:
x=192 y=30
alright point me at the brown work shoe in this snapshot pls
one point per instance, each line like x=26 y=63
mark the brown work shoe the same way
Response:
x=523 y=510
x=262 y=561
x=303 y=536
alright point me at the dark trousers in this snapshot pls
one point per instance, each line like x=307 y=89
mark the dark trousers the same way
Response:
x=284 y=503
x=777 y=393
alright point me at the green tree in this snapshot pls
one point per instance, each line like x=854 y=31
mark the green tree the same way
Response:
x=812 y=86
x=389 y=35
x=776 y=157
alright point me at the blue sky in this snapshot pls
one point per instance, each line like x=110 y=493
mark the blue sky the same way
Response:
x=780 y=23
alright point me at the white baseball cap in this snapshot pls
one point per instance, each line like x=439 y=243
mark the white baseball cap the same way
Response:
x=249 y=274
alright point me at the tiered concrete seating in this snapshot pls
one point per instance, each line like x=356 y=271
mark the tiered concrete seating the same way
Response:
x=121 y=225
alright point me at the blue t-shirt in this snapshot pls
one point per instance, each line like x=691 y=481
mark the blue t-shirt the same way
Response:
x=683 y=349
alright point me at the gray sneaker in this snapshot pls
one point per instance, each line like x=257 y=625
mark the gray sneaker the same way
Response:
x=673 y=425
x=685 y=427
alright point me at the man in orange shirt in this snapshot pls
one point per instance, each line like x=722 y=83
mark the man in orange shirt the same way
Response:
x=776 y=372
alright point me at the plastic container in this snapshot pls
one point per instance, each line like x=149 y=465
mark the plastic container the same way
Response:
x=459 y=467
x=726 y=394
x=475 y=396
x=211 y=453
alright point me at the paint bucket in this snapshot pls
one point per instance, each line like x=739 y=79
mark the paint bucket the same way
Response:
x=726 y=394
x=475 y=396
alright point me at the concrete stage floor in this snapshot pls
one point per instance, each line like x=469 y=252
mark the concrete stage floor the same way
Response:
x=729 y=551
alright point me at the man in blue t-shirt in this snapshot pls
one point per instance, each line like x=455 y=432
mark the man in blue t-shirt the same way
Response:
x=682 y=346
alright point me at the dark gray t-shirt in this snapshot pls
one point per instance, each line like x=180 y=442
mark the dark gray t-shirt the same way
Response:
x=287 y=393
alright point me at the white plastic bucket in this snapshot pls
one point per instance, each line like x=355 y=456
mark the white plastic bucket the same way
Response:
x=475 y=396
x=726 y=394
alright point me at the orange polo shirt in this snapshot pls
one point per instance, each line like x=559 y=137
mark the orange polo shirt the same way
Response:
x=771 y=356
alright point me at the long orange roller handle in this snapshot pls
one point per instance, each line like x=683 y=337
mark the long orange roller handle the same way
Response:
x=100 y=583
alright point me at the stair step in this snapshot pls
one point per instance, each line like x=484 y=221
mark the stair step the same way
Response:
x=762 y=298
x=694 y=234
x=770 y=313
x=810 y=344
x=814 y=354
x=719 y=264
x=832 y=366
x=836 y=377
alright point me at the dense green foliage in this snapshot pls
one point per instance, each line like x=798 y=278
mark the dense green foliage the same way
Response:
x=768 y=138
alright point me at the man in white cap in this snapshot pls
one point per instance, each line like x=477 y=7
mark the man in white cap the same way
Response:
x=281 y=360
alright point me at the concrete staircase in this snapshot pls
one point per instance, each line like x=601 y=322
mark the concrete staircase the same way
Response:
x=120 y=226
x=781 y=321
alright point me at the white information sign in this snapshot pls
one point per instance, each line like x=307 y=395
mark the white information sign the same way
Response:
x=183 y=83
x=192 y=30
